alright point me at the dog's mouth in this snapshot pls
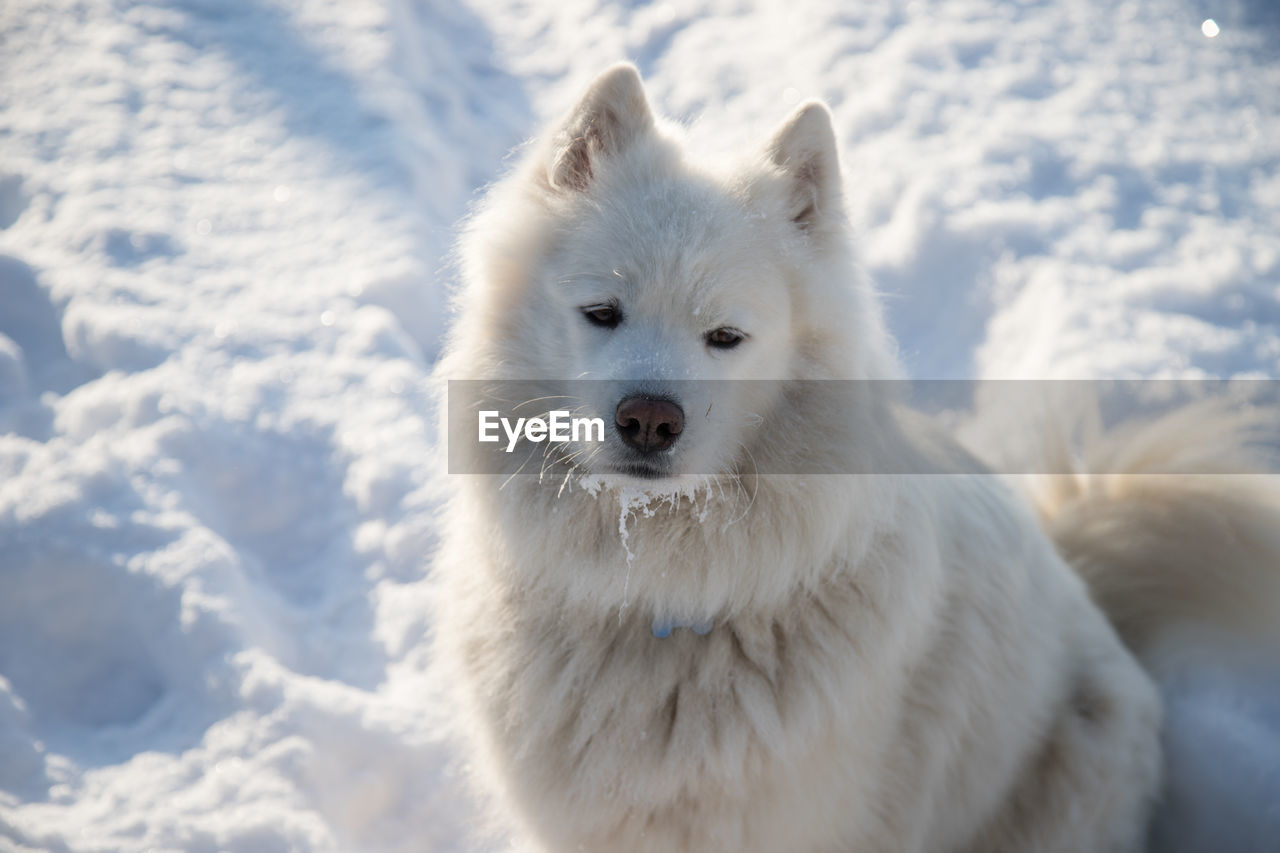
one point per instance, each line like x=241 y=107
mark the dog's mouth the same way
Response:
x=643 y=470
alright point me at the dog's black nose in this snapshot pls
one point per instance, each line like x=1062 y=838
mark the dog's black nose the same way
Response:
x=647 y=424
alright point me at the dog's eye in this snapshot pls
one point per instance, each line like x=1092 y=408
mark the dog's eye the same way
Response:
x=607 y=316
x=725 y=338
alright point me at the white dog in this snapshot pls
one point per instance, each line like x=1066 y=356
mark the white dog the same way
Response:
x=689 y=637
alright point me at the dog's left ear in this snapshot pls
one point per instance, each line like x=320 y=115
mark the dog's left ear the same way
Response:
x=612 y=114
x=804 y=150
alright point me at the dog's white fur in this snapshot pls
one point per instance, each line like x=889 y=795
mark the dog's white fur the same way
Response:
x=898 y=663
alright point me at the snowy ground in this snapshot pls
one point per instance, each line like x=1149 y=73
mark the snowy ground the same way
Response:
x=222 y=229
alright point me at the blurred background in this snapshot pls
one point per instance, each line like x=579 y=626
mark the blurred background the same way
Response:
x=224 y=268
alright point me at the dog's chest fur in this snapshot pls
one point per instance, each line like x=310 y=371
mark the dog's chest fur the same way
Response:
x=678 y=741
x=706 y=742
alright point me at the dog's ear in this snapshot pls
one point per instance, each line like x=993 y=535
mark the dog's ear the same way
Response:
x=612 y=115
x=804 y=150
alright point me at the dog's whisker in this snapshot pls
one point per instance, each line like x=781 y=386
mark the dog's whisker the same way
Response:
x=514 y=473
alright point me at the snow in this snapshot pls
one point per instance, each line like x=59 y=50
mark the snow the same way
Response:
x=224 y=228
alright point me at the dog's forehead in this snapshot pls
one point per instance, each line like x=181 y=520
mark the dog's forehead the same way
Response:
x=693 y=234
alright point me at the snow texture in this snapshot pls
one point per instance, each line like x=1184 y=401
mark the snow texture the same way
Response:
x=224 y=230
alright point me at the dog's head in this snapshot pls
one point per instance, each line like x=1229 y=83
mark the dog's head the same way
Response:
x=670 y=301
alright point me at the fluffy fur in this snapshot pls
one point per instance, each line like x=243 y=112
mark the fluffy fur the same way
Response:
x=897 y=663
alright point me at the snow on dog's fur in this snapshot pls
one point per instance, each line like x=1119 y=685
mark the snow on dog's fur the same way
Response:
x=895 y=663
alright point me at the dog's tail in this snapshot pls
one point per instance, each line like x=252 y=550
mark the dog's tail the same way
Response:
x=1174 y=524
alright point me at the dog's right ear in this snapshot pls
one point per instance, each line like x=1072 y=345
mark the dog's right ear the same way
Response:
x=612 y=115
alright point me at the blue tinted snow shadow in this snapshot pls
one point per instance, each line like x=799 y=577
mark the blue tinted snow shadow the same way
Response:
x=463 y=114
x=314 y=97
x=443 y=51
x=1222 y=753
x=36 y=359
